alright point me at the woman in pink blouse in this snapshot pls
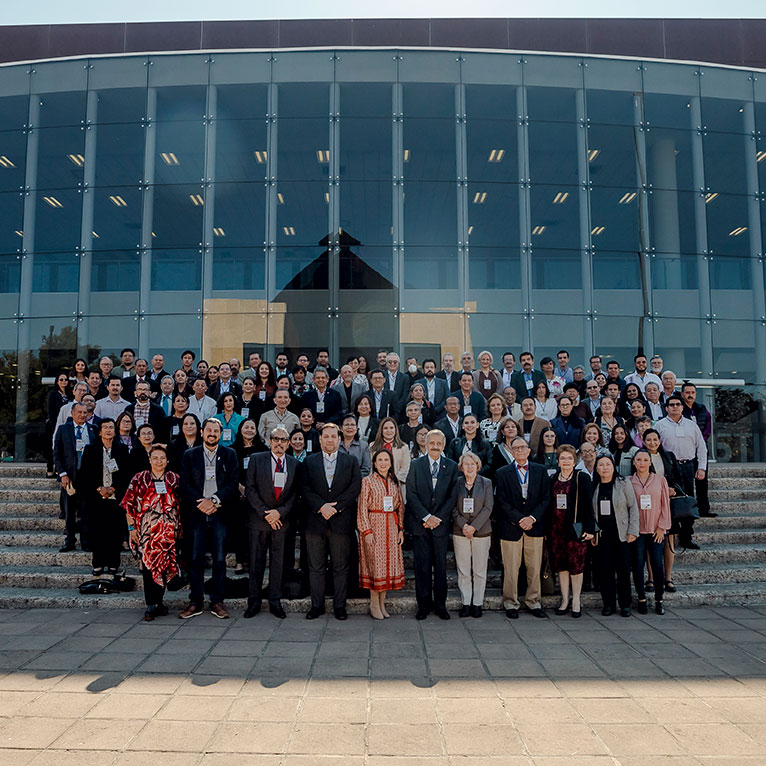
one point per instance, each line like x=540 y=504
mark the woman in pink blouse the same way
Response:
x=653 y=523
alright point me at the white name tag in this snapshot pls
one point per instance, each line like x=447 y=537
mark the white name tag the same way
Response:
x=528 y=384
x=388 y=503
x=176 y=430
x=561 y=502
x=210 y=474
x=245 y=412
x=605 y=508
x=308 y=445
x=125 y=375
x=487 y=385
x=227 y=434
x=467 y=505
x=80 y=444
x=420 y=419
x=646 y=502
x=160 y=488
x=280 y=477
x=246 y=462
x=140 y=421
x=262 y=395
x=320 y=408
x=111 y=465
x=527 y=437
x=467 y=409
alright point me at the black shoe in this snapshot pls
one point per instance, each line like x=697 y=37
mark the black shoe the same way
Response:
x=563 y=611
x=538 y=612
x=641 y=608
x=441 y=613
x=708 y=515
x=277 y=611
x=67 y=547
x=659 y=608
x=314 y=612
x=340 y=613
x=476 y=611
x=670 y=587
x=607 y=610
x=690 y=545
x=578 y=613
x=162 y=610
x=465 y=611
x=512 y=614
x=97 y=571
x=421 y=614
x=625 y=611
x=252 y=609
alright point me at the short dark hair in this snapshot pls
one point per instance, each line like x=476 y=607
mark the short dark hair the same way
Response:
x=425 y=361
x=571 y=387
x=546 y=360
x=612 y=361
x=298 y=368
x=215 y=420
x=688 y=384
x=562 y=351
x=323 y=351
x=189 y=351
x=595 y=356
x=377 y=372
x=127 y=349
x=526 y=353
x=674 y=397
x=464 y=373
x=639 y=356
x=508 y=353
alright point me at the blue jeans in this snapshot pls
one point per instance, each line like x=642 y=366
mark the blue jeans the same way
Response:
x=209 y=531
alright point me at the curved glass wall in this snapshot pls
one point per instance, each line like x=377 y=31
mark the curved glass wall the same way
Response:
x=427 y=201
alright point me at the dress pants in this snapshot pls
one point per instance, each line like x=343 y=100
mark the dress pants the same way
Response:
x=210 y=530
x=643 y=545
x=75 y=519
x=471 y=557
x=262 y=541
x=339 y=547
x=614 y=561
x=153 y=593
x=106 y=521
x=531 y=550
x=701 y=490
x=430 y=555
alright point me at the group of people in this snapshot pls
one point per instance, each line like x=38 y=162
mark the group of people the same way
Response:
x=563 y=470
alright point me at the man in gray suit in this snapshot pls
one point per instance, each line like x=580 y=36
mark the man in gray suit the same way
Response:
x=437 y=389
x=350 y=392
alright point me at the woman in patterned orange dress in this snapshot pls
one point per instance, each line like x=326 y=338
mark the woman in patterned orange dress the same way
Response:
x=380 y=519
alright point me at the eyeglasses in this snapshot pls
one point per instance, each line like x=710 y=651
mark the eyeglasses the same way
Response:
x=519 y=448
x=279 y=439
x=674 y=404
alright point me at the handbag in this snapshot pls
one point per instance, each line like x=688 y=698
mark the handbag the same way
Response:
x=683 y=506
x=577 y=529
x=547 y=584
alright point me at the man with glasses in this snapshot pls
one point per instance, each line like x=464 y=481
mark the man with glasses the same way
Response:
x=592 y=398
x=271 y=490
x=683 y=438
x=521 y=502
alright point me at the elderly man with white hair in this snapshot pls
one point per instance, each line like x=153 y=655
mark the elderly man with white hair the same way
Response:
x=669 y=383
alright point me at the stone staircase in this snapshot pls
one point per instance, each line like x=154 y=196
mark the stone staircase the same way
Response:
x=729 y=569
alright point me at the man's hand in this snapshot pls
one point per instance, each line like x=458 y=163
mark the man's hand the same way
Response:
x=276 y=525
x=432 y=522
x=527 y=523
x=207 y=506
x=106 y=492
x=700 y=475
x=274 y=516
x=328 y=510
x=134 y=538
x=65 y=481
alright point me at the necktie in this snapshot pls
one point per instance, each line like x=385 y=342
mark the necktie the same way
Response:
x=78 y=436
x=166 y=404
x=78 y=432
x=278 y=490
x=434 y=471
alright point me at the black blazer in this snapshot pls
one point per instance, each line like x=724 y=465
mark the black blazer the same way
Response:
x=65 y=448
x=234 y=388
x=444 y=426
x=477 y=402
x=401 y=387
x=482 y=449
x=498 y=461
x=259 y=489
x=579 y=504
x=157 y=419
x=91 y=474
x=192 y=482
x=511 y=507
x=454 y=383
x=423 y=499
x=518 y=382
x=154 y=383
x=333 y=405
x=56 y=400
x=176 y=450
x=346 y=486
x=129 y=386
x=389 y=405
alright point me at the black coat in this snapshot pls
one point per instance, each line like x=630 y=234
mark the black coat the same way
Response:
x=481 y=448
x=423 y=499
x=91 y=474
x=477 y=403
x=511 y=507
x=389 y=405
x=176 y=450
x=157 y=419
x=333 y=405
x=259 y=489
x=192 y=482
x=65 y=448
x=346 y=486
x=401 y=387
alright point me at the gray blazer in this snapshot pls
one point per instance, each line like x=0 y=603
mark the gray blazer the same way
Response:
x=625 y=508
x=357 y=392
x=482 y=507
x=361 y=453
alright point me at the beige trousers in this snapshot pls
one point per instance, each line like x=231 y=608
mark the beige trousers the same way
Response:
x=531 y=550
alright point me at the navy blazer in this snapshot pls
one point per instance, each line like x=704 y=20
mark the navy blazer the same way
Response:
x=259 y=489
x=65 y=448
x=423 y=499
x=192 y=482
x=518 y=382
x=333 y=405
x=401 y=387
x=441 y=392
x=389 y=404
x=477 y=402
x=511 y=507
x=345 y=490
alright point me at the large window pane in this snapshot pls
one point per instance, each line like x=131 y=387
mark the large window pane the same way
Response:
x=430 y=213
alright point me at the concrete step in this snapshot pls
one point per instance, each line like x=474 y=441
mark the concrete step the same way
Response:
x=17 y=495
x=698 y=574
x=719 y=553
x=738 y=482
x=747 y=535
x=731 y=521
x=28 y=482
x=22 y=469
x=20 y=523
x=746 y=493
x=737 y=507
x=737 y=469
x=30 y=509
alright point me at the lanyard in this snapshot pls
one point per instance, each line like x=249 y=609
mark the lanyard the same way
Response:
x=518 y=473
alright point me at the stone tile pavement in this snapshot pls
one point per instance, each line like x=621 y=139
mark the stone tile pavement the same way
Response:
x=103 y=687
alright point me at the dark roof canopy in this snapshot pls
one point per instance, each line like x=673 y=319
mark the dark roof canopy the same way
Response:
x=724 y=41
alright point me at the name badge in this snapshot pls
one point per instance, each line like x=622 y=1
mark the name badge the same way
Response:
x=176 y=430
x=160 y=488
x=487 y=385
x=433 y=483
x=125 y=374
x=467 y=409
x=227 y=434
x=646 y=502
x=262 y=395
x=320 y=408
x=605 y=508
x=280 y=477
x=210 y=474
x=245 y=412
x=527 y=437
x=388 y=503
x=561 y=502
x=111 y=465
x=467 y=505
x=308 y=445
x=528 y=384
x=140 y=421
x=80 y=444
x=246 y=462
x=420 y=420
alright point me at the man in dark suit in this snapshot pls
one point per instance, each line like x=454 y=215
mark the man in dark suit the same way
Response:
x=437 y=389
x=325 y=403
x=451 y=424
x=145 y=411
x=209 y=484
x=350 y=390
x=448 y=373
x=431 y=498
x=397 y=381
x=471 y=402
x=142 y=376
x=526 y=379
x=383 y=402
x=226 y=383
x=271 y=488
x=331 y=482
x=522 y=497
x=68 y=446
x=157 y=373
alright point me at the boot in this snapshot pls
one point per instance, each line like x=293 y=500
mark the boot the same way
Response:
x=375 y=612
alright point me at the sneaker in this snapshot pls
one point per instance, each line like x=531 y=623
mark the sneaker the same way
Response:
x=192 y=610
x=219 y=611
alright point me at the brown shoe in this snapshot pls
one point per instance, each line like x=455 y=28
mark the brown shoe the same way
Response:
x=219 y=611
x=192 y=610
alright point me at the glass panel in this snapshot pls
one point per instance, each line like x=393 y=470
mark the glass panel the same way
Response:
x=613 y=91
x=668 y=89
x=366 y=214
x=364 y=66
x=115 y=280
x=491 y=133
x=430 y=213
x=497 y=333
x=724 y=94
x=669 y=159
x=14 y=105
x=428 y=66
x=612 y=156
x=119 y=154
x=304 y=149
x=180 y=152
x=13 y=155
x=240 y=150
x=177 y=218
x=430 y=268
x=551 y=333
x=117 y=218
x=230 y=332
x=364 y=333
x=725 y=158
x=61 y=89
x=678 y=342
x=672 y=221
x=246 y=68
x=366 y=148
x=555 y=216
x=303 y=67
x=178 y=271
x=496 y=269
x=121 y=85
x=616 y=219
x=673 y=272
x=240 y=102
x=493 y=215
x=239 y=269
x=302 y=269
x=617 y=337
x=171 y=335
x=619 y=272
x=731 y=283
x=10 y=275
x=9 y=360
x=727 y=225
x=240 y=214
x=556 y=270
x=553 y=152
x=57 y=220
x=490 y=68
x=432 y=334
x=107 y=335
x=552 y=85
x=55 y=278
x=302 y=214
x=11 y=217
x=734 y=349
x=297 y=332
x=61 y=158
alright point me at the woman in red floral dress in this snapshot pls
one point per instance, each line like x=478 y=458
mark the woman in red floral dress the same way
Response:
x=152 y=508
x=380 y=519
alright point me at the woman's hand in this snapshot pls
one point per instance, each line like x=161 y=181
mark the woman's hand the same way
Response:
x=133 y=538
x=469 y=531
x=400 y=538
x=671 y=492
x=632 y=538
x=659 y=535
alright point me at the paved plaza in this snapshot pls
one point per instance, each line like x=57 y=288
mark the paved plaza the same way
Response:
x=102 y=687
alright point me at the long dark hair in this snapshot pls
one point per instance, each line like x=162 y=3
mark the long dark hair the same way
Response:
x=541 y=445
x=597 y=478
x=391 y=474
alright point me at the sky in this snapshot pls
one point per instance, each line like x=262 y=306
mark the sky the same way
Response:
x=82 y=11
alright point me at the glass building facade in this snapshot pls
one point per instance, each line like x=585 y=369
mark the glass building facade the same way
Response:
x=421 y=200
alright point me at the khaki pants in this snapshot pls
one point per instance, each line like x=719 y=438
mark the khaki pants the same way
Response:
x=471 y=558
x=531 y=549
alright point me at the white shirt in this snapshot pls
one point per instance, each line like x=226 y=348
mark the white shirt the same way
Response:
x=655 y=410
x=507 y=378
x=203 y=408
x=547 y=409
x=330 y=463
x=683 y=439
x=454 y=424
x=274 y=459
x=523 y=473
x=431 y=389
x=636 y=379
